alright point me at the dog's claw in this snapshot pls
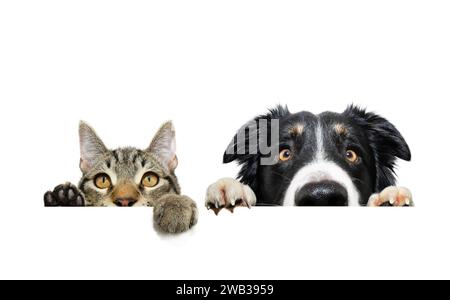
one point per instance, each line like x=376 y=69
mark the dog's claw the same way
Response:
x=229 y=193
x=392 y=196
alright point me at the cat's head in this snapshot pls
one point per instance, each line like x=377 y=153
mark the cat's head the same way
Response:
x=127 y=176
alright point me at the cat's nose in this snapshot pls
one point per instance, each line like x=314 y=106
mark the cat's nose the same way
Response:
x=125 y=194
x=125 y=201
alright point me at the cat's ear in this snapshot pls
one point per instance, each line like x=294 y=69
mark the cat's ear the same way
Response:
x=163 y=146
x=91 y=147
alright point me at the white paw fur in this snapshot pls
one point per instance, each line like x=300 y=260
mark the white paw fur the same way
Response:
x=394 y=195
x=229 y=193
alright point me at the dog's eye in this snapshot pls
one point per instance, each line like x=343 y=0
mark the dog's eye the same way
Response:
x=102 y=181
x=150 y=179
x=351 y=156
x=285 y=154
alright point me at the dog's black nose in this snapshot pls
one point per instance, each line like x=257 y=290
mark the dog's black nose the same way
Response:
x=323 y=193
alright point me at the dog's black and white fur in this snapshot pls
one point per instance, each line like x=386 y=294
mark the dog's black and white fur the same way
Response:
x=330 y=159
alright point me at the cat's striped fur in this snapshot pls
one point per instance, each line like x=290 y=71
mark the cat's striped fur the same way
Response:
x=124 y=171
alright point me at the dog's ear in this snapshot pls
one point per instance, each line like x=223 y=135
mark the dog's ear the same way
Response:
x=244 y=147
x=386 y=142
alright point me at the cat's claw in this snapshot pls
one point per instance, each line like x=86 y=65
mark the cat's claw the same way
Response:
x=64 y=195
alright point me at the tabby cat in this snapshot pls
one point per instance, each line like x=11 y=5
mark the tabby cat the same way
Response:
x=130 y=177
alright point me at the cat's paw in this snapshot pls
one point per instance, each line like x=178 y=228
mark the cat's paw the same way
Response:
x=175 y=214
x=229 y=193
x=392 y=196
x=64 y=195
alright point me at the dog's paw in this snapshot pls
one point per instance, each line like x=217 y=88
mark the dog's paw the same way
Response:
x=175 y=214
x=229 y=193
x=64 y=195
x=392 y=196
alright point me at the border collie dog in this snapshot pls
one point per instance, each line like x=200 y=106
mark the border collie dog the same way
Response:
x=330 y=159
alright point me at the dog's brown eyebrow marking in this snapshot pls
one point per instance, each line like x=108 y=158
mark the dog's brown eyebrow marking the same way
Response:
x=340 y=129
x=297 y=129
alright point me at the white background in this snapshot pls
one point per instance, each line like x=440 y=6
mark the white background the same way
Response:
x=127 y=66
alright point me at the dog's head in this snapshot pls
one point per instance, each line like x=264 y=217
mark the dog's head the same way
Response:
x=326 y=159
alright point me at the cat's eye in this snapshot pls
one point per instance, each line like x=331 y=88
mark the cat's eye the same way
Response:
x=285 y=154
x=102 y=181
x=351 y=156
x=150 y=179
